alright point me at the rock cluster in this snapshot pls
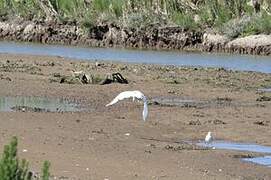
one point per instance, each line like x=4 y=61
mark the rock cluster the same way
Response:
x=151 y=37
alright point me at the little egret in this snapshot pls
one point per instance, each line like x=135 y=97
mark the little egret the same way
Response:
x=135 y=95
x=208 y=137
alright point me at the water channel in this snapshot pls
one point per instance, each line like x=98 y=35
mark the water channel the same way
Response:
x=177 y=58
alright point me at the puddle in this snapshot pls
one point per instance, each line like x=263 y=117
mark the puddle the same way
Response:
x=189 y=102
x=37 y=104
x=176 y=101
x=264 y=90
x=265 y=160
x=237 y=146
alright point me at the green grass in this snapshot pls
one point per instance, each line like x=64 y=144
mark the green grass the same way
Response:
x=24 y=8
x=45 y=170
x=11 y=168
x=214 y=14
x=247 y=25
x=258 y=24
x=185 y=21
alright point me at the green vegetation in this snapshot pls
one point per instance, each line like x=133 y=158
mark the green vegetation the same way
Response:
x=247 y=25
x=11 y=168
x=219 y=15
x=45 y=171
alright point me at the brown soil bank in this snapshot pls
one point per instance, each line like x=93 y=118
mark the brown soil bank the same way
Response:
x=152 y=37
x=114 y=143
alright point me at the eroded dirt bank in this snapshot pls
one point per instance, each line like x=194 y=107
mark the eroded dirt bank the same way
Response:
x=153 y=37
x=114 y=143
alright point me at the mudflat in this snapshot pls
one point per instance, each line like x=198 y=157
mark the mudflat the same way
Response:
x=114 y=142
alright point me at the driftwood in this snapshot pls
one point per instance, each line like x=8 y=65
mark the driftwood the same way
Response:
x=116 y=78
x=90 y=79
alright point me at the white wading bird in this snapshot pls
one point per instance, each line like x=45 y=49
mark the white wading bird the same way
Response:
x=135 y=95
x=208 y=137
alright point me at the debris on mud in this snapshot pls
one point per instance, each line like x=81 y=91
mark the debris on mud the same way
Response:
x=68 y=80
x=116 y=78
x=189 y=102
x=184 y=146
x=264 y=98
x=216 y=122
x=81 y=77
x=242 y=156
x=198 y=122
x=170 y=101
x=262 y=123
x=2 y=77
x=223 y=99
x=19 y=66
x=194 y=122
x=29 y=109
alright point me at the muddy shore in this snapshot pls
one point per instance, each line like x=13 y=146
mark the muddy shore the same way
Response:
x=151 y=38
x=114 y=143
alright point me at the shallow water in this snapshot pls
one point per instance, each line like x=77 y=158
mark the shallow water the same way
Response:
x=189 y=102
x=37 y=104
x=177 y=58
x=176 y=101
x=237 y=146
x=264 y=160
x=264 y=90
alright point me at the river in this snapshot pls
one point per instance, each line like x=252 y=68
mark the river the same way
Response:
x=177 y=58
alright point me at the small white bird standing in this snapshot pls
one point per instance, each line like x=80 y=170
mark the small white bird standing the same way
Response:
x=135 y=95
x=208 y=137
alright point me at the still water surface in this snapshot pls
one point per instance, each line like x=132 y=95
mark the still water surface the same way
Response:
x=263 y=160
x=177 y=58
x=9 y=104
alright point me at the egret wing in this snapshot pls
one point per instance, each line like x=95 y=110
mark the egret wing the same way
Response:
x=145 y=111
x=121 y=96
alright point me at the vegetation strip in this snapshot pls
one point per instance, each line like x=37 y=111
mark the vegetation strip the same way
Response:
x=207 y=25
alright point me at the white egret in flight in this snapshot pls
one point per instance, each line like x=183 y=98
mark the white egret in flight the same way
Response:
x=135 y=95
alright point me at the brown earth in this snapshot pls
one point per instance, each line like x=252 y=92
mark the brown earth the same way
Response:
x=94 y=144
